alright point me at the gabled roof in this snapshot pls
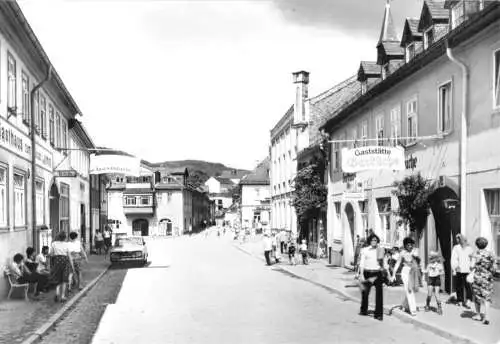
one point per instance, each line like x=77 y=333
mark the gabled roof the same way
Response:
x=433 y=12
x=224 y=180
x=410 y=31
x=259 y=176
x=287 y=117
x=389 y=51
x=388 y=31
x=368 y=69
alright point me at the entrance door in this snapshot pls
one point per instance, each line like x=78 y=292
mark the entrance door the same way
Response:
x=165 y=227
x=140 y=227
x=447 y=220
x=54 y=210
x=349 y=211
x=83 y=225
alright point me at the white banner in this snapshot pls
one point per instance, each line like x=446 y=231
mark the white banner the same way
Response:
x=373 y=158
x=112 y=163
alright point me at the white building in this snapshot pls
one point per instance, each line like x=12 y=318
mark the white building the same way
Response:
x=255 y=197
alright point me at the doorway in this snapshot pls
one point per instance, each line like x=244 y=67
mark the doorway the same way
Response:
x=54 y=209
x=349 y=211
x=140 y=227
x=166 y=227
x=446 y=210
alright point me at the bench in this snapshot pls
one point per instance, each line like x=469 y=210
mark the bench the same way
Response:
x=14 y=285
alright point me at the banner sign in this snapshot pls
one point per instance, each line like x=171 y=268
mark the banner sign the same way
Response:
x=115 y=164
x=373 y=158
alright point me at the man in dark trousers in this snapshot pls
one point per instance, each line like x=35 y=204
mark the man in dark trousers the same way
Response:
x=268 y=248
x=370 y=274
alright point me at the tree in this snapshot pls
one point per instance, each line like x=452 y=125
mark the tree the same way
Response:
x=310 y=191
x=413 y=195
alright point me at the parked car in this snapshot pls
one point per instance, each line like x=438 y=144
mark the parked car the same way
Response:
x=129 y=249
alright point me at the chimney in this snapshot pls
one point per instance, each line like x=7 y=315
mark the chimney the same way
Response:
x=301 y=81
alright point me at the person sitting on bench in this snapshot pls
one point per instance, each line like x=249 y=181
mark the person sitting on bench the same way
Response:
x=21 y=274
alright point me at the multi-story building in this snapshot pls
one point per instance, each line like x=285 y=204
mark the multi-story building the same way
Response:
x=438 y=95
x=255 y=198
x=36 y=201
x=288 y=137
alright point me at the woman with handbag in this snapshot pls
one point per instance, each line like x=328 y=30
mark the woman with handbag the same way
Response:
x=481 y=278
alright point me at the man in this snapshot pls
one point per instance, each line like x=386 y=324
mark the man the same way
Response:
x=370 y=274
x=107 y=238
x=268 y=248
x=461 y=259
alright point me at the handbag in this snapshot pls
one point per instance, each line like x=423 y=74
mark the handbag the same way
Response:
x=470 y=278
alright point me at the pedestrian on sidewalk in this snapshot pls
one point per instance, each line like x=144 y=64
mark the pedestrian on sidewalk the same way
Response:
x=370 y=266
x=268 y=248
x=63 y=265
x=482 y=273
x=461 y=259
x=98 y=241
x=106 y=235
x=434 y=270
x=78 y=255
x=409 y=274
x=303 y=252
x=291 y=252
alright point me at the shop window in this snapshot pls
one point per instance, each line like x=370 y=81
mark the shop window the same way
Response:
x=493 y=203
x=11 y=82
x=64 y=208
x=19 y=200
x=384 y=210
x=3 y=197
x=40 y=202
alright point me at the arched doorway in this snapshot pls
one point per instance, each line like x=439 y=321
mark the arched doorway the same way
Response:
x=446 y=210
x=54 y=209
x=349 y=211
x=165 y=227
x=140 y=227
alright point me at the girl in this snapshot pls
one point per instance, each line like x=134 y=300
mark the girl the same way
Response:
x=434 y=271
x=303 y=252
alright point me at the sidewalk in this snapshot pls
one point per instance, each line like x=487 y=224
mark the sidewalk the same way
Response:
x=456 y=323
x=19 y=319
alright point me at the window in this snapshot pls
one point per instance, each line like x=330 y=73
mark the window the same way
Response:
x=51 y=125
x=493 y=204
x=64 y=208
x=336 y=153
x=43 y=117
x=364 y=133
x=169 y=196
x=354 y=138
x=412 y=117
x=3 y=197
x=145 y=201
x=64 y=134
x=19 y=200
x=337 y=210
x=379 y=127
x=57 y=136
x=428 y=38
x=36 y=109
x=11 y=82
x=410 y=51
x=363 y=206
x=25 y=85
x=40 y=202
x=444 y=110
x=130 y=200
x=384 y=210
x=496 y=88
x=395 y=124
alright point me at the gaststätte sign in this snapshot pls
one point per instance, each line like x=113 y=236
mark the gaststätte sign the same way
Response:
x=373 y=158
x=114 y=163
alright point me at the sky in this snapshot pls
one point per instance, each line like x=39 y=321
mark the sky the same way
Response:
x=201 y=79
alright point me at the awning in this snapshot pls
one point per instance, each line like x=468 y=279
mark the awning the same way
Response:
x=115 y=163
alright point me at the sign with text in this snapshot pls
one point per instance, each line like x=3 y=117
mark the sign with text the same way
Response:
x=373 y=158
x=14 y=140
x=115 y=164
x=65 y=173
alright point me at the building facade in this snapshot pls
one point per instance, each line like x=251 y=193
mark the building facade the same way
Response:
x=288 y=137
x=447 y=124
x=255 y=198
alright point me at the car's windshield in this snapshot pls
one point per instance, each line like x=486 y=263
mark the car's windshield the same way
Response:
x=128 y=241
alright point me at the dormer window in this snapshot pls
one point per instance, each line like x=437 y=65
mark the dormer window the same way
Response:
x=364 y=87
x=428 y=37
x=457 y=14
x=410 y=51
x=385 y=71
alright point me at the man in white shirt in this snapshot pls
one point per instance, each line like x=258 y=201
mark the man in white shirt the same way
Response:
x=370 y=274
x=268 y=248
x=461 y=259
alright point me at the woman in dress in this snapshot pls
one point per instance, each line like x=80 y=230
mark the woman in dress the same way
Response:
x=408 y=257
x=482 y=286
x=77 y=254
x=63 y=265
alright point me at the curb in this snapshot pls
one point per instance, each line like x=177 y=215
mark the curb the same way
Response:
x=403 y=316
x=42 y=330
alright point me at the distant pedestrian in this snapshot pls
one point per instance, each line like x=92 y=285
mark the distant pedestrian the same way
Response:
x=482 y=285
x=461 y=259
x=434 y=271
x=98 y=241
x=409 y=259
x=291 y=252
x=106 y=235
x=370 y=274
x=268 y=248
x=303 y=252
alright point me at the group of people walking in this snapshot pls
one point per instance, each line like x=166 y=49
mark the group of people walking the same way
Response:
x=473 y=270
x=58 y=265
x=273 y=250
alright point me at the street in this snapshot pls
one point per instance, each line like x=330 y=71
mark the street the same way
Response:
x=204 y=290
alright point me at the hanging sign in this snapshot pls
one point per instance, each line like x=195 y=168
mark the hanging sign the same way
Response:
x=115 y=164
x=373 y=158
x=65 y=173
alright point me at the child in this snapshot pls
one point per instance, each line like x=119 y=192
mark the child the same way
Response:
x=434 y=271
x=291 y=252
x=303 y=251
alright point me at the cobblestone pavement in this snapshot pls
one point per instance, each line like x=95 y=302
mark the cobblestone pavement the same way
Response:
x=80 y=323
x=19 y=319
x=212 y=293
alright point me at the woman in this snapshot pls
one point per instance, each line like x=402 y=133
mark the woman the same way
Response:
x=22 y=274
x=482 y=286
x=98 y=241
x=371 y=274
x=63 y=265
x=408 y=257
x=77 y=254
x=42 y=261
